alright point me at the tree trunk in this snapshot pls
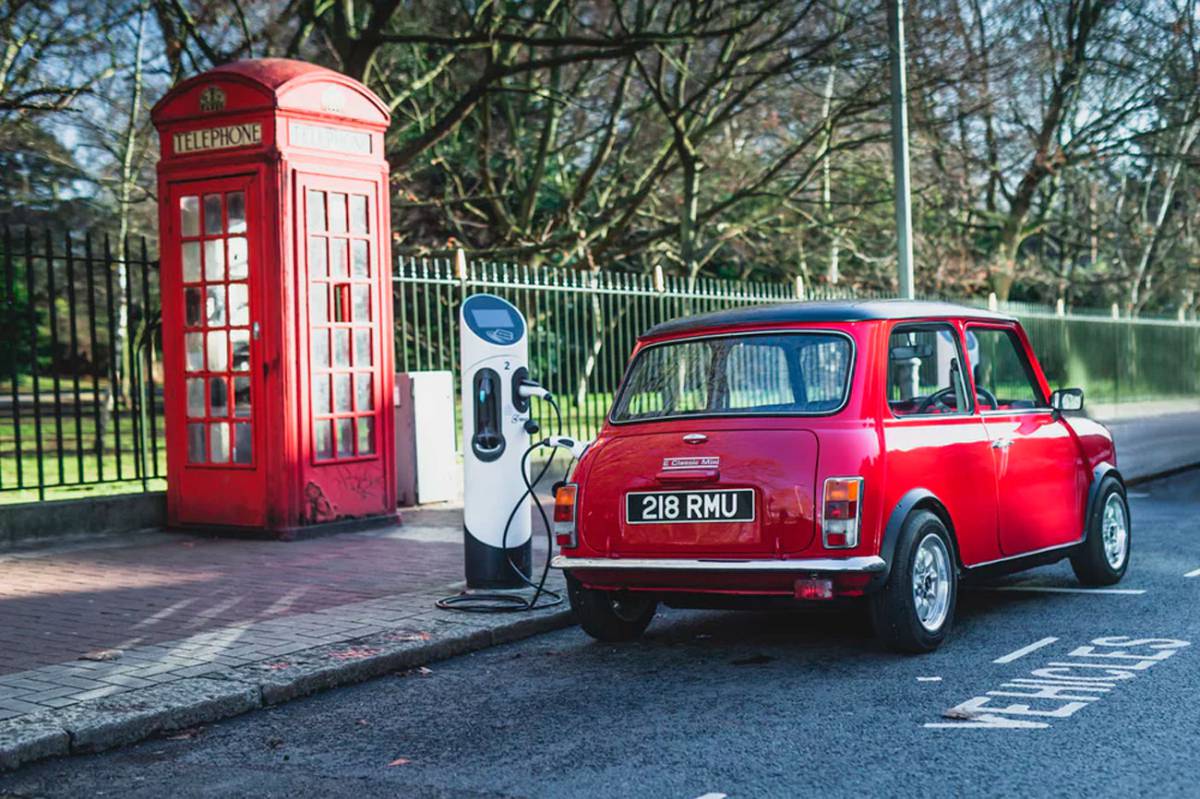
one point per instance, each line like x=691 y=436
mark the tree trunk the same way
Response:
x=124 y=354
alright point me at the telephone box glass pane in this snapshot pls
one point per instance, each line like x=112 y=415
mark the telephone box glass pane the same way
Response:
x=345 y=438
x=358 y=213
x=341 y=347
x=363 y=400
x=189 y=216
x=218 y=396
x=324 y=439
x=218 y=351
x=193 y=345
x=242 y=445
x=239 y=259
x=241 y=397
x=320 y=349
x=213 y=223
x=358 y=259
x=195 y=443
x=337 y=212
x=318 y=303
x=316 y=210
x=239 y=304
x=191 y=262
x=214 y=259
x=362 y=347
x=320 y=389
x=361 y=303
x=341 y=394
x=318 y=264
x=216 y=306
x=366 y=435
x=218 y=442
x=237 y=211
x=195 y=397
x=191 y=307
x=241 y=350
x=337 y=258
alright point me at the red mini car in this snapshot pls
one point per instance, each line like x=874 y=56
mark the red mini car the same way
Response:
x=793 y=453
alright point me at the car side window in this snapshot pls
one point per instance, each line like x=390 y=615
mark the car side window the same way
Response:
x=925 y=371
x=1003 y=376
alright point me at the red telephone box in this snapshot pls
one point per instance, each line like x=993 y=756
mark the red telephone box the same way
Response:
x=276 y=296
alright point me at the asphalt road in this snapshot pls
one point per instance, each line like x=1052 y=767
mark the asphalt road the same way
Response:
x=747 y=705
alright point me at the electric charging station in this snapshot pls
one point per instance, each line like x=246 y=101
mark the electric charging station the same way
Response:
x=494 y=358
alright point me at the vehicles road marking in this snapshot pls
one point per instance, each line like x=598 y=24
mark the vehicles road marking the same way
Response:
x=1193 y=573
x=1051 y=589
x=1025 y=650
x=1083 y=676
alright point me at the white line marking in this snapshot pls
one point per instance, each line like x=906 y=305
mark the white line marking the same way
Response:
x=1055 y=590
x=1025 y=650
x=929 y=679
x=713 y=796
x=1193 y=573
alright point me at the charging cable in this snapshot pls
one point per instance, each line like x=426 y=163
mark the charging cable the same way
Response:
x=495 y=602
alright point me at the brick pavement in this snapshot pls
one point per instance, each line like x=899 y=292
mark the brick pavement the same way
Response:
x=180 y=606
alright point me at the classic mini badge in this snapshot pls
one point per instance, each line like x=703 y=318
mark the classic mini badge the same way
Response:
x=675 y=464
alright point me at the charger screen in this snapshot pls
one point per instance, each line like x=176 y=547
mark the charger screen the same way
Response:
x=492 y=317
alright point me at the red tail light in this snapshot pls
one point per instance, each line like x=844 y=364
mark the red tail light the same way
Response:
x=564 y=515
x=840 y=512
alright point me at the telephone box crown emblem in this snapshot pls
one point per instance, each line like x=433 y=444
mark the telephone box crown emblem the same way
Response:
x=212 y=99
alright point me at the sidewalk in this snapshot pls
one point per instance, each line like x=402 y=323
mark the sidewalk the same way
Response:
x=111 y=641
x=1152 y=438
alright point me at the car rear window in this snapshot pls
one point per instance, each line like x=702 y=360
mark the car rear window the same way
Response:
x=783 y=374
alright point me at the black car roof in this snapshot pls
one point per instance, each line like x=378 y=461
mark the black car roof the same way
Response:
x=822 y=311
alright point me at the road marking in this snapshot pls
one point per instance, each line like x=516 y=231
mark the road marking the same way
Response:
x=1061 y=688
x=1193 y=573
x=713 y=796
x=1025 y=650
x=929 y=679
x=1049 y=589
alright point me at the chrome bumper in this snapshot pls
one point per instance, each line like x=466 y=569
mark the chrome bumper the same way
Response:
x=870 y=564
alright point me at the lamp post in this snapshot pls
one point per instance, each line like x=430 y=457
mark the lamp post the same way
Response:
x=904 y=259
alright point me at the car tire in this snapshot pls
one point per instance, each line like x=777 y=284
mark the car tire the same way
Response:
x=915 y=608
x=1103 y=557
x=610 y=615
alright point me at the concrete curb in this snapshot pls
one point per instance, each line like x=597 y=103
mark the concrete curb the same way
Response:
x=133 y=716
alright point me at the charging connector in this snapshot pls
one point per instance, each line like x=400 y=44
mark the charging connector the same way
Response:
x=531 y=388
x=576 y=448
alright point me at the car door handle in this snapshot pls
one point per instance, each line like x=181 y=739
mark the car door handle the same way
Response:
x=1002 y=443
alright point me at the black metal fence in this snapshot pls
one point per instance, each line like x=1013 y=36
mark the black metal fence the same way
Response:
x=80 y=402
x=80 y=346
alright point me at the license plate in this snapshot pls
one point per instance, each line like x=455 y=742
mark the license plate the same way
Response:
x=667 y=507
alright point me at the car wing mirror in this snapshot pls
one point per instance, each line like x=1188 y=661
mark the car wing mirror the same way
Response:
x=1067 y=399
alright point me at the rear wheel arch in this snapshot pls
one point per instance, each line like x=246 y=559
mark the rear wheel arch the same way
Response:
x=917 y=499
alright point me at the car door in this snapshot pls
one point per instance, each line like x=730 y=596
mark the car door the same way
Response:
x=1039 y=466
x=934 y=439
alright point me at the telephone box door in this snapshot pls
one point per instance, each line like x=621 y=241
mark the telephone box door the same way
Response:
x=339 y=231
x=215 y=391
